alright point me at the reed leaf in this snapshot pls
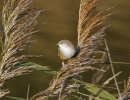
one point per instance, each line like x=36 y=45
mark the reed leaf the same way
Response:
x=38 y=67
x=15 y=98
x=95 y=90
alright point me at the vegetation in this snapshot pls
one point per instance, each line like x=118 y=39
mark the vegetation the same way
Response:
x=17 y=26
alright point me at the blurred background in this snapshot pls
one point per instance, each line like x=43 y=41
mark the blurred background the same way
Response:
x=61 y=23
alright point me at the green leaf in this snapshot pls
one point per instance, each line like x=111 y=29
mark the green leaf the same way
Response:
x=120 y=63
x=88 y=96
x=38 y=67
x=15 y=98
x=96 y=90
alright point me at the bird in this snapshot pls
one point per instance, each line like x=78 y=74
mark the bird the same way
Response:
x=66 y=50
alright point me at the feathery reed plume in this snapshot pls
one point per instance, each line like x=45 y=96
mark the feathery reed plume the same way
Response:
x=126 y=92
x=17 y=24
x=62 y=85
x=86 y=9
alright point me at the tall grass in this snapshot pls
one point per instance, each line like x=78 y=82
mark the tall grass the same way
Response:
x=17 y=24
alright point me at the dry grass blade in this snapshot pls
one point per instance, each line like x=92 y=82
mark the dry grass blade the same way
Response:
x=28 y=92
x=110 y=79
x=17 y=23
x=113 y=72
x=98 y=75
x=3 y=93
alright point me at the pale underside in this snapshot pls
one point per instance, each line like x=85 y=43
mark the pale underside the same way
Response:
x=66 y=52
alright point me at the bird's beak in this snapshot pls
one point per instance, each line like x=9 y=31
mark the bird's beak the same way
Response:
x=57 y=44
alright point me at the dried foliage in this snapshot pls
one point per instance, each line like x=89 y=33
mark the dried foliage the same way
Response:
x=98 y=75
x=126 y=92
x=62 y=85
x=86 y=9
x=3 y=93
x=17 y=22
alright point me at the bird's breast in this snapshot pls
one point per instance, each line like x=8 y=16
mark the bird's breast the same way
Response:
x=66 y=53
